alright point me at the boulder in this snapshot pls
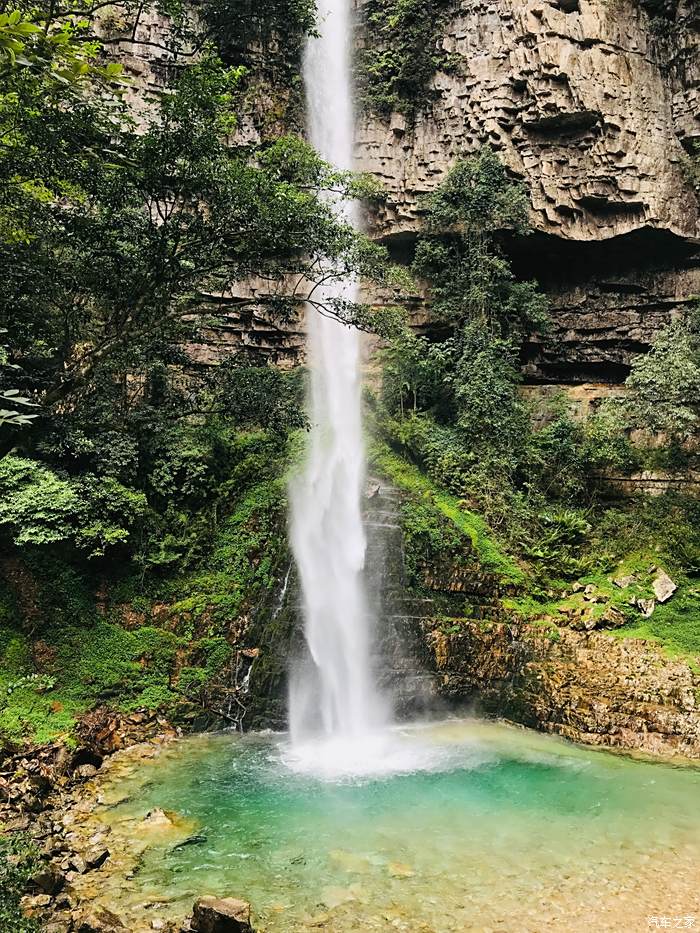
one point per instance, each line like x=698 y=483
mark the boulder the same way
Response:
x=158 y=817
x=99 y=920
x=221 y=915
x=49 y=879
x=612 y=618
x=95 y=857
x=645 y=606
x=663 y=587
x=31 y=903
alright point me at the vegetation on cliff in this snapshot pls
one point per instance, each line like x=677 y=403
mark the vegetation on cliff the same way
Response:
x=400 y=54
x=142 y=497
x=451 y=403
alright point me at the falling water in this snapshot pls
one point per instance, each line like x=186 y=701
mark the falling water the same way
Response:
x=332 y=694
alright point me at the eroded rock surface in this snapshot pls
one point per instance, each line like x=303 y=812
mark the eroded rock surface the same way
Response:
x=583 y=100
x=589 y=687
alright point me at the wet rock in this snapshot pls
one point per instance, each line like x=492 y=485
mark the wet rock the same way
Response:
x=663 y=587
x=99 y=920
x=158 y=817
x=85 y=772
x=96 y=857
x=221 y=915
x=49 y=879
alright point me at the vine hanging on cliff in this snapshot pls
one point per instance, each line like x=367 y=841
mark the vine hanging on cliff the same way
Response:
x=400 y=53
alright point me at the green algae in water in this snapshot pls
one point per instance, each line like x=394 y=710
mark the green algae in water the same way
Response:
x=498 y=828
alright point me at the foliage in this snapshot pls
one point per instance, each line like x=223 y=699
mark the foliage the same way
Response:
x=429 y=538
x=470 y=377
x=401 y=53
x=38 y=506
x=238 y=26
x=470 y=278
x=664 y=384
x=111 y=237
x=467 y=380
x=18 y=861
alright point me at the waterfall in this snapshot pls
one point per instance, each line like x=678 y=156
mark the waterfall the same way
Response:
x=332 y=694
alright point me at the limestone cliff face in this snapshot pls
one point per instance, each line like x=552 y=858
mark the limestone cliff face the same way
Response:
x=587 y=101
x=595 y=111
x=581 y=99
x=589 y=687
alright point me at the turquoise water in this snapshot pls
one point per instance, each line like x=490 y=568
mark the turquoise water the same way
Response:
x=499 y=828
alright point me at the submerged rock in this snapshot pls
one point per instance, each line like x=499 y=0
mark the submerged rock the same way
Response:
x=221 y=915
x=158 y=817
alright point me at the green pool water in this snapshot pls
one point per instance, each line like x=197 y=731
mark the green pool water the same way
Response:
x=484 y=827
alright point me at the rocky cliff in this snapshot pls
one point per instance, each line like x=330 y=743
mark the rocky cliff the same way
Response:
x=588 y=687
x=595 y=107
x=593 y=104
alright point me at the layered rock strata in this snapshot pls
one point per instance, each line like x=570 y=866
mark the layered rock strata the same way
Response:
x=590 y=687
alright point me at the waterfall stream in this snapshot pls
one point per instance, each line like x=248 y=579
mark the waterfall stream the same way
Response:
x=332 y=696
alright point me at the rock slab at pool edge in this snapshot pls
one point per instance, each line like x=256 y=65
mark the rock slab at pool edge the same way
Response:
x=221 y=915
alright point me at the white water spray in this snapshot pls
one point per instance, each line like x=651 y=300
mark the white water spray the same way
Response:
x=332 y=697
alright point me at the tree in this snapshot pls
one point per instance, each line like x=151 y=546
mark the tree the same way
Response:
x=664 y=384
x=467 y=376
x=118 y=245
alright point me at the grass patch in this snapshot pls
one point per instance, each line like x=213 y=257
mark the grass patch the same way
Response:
x=81 y=666
x=675 y=626
x=18 y=861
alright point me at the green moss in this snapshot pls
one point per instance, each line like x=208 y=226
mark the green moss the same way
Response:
x=248 y=547
x=92 y=659
x=85 y=665
x=408 y=477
